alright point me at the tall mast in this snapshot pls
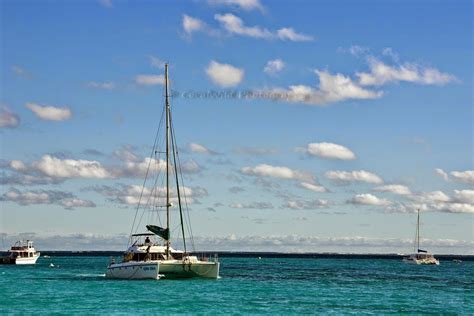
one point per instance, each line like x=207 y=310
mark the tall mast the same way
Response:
x=167 y=104
x=418 y=232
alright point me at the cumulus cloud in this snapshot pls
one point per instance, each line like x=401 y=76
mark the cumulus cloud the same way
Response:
x=394 y=188
x=232 y=242
x=368 y=199
x=331 y=89
x=224 y=75
x=313 y=187
x=288 y=33
x=50 y=113
x=329 y=151
x=265 y=170
x=306 y=204
x=70 y=168
x=253 y=205
x=191 y=24
x=109 y=85
x=381 y=73
x=150 y=80
x=200 y=149
x=274 y=66
x=147 y=196
x=8 y=119
x=353 y=176
x=247 y=5
x=466 y=176
x=437 y=201
x=65 y=199
x=234 y=25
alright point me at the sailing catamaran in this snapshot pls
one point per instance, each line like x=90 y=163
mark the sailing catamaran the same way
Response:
x=150 y=255
x=420 y=256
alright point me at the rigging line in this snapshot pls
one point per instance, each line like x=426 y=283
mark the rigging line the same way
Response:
x=148 y=201
x=146 y=175
x=190 y=231
x=173 y=147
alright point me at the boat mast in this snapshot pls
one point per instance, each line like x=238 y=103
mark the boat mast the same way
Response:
x=418 y=232
x=167 y=104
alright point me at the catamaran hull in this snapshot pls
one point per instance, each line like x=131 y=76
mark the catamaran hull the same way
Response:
x=180 y=269
x=133 y=271
x=422 y=262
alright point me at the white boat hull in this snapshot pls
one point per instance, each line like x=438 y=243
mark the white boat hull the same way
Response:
x=134 y=270
x=27 y=260
x=422 y=261
x=180 y=269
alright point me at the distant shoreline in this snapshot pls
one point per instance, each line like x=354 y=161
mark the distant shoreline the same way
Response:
x=256 y=254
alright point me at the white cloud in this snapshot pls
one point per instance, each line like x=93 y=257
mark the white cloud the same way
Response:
x=191 y=24
x=150 y=80
x=253 y=205
x=381 y=73
x=274 y=66
x=306 y=204
x=135 y=194
x=234 y=25
x=329 y=151
x=287 y=33
x=353 y=176
x=8 y=119
x=224 y=75
x=313 y=187
x=200 y=149
x=101 y=85
x=190 y=166
x=65 y=199
x=264 y=170
x=332 y=88
x=50 y=113
x=232 y=242
x=368 y=199
x=247 y=5
x=466 y=176
x=70 y=168
x=138 y=169
x=394 y=188
x=464 y=196
x=438 y=201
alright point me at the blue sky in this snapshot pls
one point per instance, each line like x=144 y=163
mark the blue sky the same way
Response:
x=362 y=112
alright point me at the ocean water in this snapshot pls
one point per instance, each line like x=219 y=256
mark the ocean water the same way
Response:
x=76 y=285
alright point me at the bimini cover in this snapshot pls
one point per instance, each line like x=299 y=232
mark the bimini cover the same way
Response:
x=160 y=231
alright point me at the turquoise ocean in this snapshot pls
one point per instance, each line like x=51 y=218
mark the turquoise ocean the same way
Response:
x=76 y=285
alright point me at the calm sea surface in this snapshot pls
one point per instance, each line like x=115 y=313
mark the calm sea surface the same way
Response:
x=76 y=285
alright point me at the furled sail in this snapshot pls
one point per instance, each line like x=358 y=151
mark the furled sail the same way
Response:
x=160 y=231
x=423 y=251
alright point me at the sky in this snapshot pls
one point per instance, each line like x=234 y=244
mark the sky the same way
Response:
x=301 y=126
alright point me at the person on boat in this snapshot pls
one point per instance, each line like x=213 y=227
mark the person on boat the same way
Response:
x=147 y=240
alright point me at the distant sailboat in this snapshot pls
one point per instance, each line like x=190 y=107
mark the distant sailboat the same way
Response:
x=420 y=256
x=150 y=255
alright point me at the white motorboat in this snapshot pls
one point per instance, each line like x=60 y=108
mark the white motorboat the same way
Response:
x=22 y=253
x=150 y=255
x=420 y=256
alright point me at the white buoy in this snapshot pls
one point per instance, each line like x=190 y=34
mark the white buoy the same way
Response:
x=51 y=265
